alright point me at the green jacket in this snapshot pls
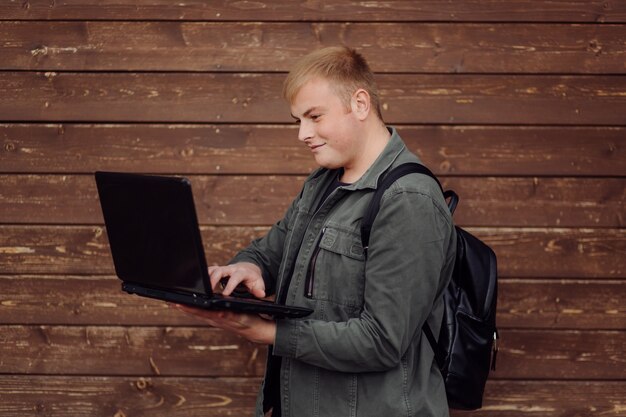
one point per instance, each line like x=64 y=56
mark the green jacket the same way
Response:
x=361 y=353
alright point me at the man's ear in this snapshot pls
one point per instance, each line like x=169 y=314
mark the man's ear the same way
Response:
x=361 y=104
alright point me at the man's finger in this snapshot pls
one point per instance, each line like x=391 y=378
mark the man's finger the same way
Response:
x=233 y=280
x=217 y=274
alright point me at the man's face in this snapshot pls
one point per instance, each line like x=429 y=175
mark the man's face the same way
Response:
x=327 y=127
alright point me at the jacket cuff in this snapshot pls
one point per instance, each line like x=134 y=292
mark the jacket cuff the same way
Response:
x=286 y=342
x=241 y=257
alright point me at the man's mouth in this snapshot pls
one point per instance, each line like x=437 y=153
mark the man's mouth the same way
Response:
x=314 y=147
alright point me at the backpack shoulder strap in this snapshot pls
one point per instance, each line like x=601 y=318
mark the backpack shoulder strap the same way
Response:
x=385 y=182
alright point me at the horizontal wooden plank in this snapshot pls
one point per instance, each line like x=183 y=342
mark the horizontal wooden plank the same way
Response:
x=251 y=98
x=95 y=396
x=522 y=252
x=563 y=253
x=272 y=10
x=261 y=200
x=543 y=354
x=242 y=47
x=211 y=397
x=243 y=200
x=220 y=200
x=203 y=351
x=55 y=300
x=528 y=201
x=107 y=350
x=165 y=148
x=563 y=304
x=551 y=399
x=236 y=149
x=85 y=249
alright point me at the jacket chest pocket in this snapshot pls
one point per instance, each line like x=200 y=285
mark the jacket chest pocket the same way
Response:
x=336 y=271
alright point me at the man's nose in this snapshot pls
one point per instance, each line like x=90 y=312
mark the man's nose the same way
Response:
x=305 y=131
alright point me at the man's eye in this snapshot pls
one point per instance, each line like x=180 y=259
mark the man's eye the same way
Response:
x=315 y=117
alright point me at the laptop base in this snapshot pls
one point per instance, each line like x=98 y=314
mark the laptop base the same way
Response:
x=216 y=302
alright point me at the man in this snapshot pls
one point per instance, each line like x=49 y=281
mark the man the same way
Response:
x=361 y=353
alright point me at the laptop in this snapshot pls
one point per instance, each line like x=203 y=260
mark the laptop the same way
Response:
x=157 y=248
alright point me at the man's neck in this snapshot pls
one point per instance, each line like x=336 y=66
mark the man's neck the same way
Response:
x=374 y=139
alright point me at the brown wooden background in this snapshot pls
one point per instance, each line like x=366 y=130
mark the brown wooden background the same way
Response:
x=518 y=105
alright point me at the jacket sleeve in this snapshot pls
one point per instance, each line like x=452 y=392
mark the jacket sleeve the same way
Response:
x=267 y=251
x=407 y=253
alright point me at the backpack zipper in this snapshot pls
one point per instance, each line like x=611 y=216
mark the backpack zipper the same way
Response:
x=494 y=350
x=310 y=277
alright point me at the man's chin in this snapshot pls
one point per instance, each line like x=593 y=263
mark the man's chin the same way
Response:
x=323 y=160
x=327 y=164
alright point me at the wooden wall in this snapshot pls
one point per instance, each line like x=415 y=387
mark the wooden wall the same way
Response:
x=518 y=105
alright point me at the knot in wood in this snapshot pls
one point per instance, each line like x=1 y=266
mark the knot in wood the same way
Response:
x=595 y=47
x=445 y=166
x=142 y=384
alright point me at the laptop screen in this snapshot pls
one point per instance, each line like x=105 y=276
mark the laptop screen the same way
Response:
x=153 y=233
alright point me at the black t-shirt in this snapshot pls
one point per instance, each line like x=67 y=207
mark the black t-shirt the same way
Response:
x=333 y=185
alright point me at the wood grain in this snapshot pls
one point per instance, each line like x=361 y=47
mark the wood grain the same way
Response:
x=522 y=252
x=518 y=105
x=255 y=98
x=267 y=149
x=85 y=249
x=127 y=396
x=203 y=351
x=562 y=304
x=522 y=303
x=595 y=11
x=551 y=399
x=212 y=397
x=261 y=200
x=107 y=350
x=268 y=47
x=563 y=253
x=543 y=354
x=225 y=200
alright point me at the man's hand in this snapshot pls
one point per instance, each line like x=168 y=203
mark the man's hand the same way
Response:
x=245 y=273
x=250 y=326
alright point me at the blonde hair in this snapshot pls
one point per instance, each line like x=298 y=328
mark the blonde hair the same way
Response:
x=343 y=67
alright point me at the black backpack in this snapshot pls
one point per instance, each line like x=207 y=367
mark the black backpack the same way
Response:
x=468 y=331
